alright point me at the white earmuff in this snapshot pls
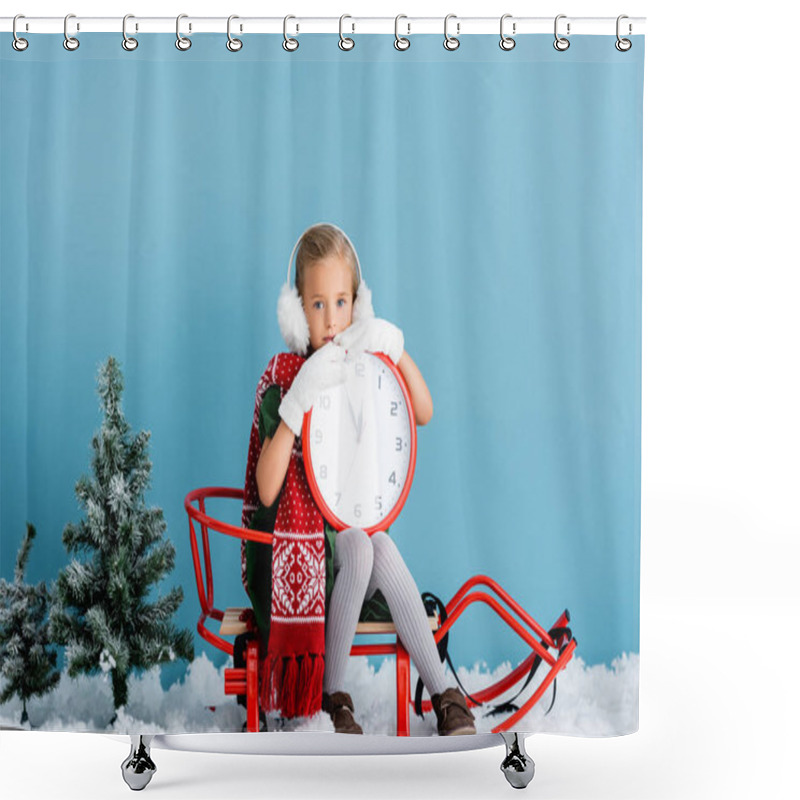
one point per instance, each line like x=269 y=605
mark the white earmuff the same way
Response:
x=291 y=317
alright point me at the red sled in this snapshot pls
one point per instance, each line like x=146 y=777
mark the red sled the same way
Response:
x=236 y=621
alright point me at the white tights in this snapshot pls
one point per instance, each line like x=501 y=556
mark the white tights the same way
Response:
x=362 y=565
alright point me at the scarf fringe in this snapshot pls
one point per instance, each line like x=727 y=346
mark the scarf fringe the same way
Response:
x=293 y=685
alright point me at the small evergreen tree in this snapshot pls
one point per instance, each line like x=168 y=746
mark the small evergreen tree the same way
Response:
x=100 y=609
x=26 y=661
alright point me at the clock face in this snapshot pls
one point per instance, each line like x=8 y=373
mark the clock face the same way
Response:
x=359 y=445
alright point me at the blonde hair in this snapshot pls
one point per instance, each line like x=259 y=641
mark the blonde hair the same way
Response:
x=321 y=241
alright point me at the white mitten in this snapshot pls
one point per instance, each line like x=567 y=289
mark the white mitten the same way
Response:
x=325 y=368
x=375 y=335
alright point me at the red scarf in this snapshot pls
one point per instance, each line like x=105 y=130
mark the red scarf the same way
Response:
x=294 y=665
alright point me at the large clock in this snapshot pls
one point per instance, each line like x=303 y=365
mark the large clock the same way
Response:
x=360 y=445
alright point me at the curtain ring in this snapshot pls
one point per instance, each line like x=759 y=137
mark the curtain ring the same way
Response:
x=70 y=42
x=18 y=43
x=623 y=45
x=289 y=43
x=345 y=43
x=181 y=42
x=128 y=42
x=400 y=42
x=233 y=44
x=560 y=43
x=451 y=42
x=506 y=42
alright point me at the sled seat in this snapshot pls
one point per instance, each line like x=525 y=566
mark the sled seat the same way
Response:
x=235 y=622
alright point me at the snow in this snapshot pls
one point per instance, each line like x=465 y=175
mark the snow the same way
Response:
x=591 y=700
x=107 y=662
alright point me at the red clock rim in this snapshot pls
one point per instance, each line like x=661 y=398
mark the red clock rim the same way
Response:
x=390 y=518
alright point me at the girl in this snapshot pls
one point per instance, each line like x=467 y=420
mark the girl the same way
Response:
x=308 y=595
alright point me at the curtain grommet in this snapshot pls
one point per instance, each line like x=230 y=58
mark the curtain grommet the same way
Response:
x=70 y=42
x=623 y=45
x=561 y=43
x=18 y=43
x=183 y=43
x=129 y=43
x=401 y=43
x=233 y=44
x=451 y=43
x=507 y=42
x=289 y=44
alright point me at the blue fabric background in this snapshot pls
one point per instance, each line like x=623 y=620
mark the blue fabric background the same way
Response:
x=150 y=201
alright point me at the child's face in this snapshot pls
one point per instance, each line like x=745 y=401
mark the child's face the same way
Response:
x=327 y=298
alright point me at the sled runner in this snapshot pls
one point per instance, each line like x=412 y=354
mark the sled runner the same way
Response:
x=550 y=649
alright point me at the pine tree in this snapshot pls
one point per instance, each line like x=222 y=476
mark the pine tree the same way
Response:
x=26 y=661
x=100 y=609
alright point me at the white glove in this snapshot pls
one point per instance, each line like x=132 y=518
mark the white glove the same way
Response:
x=325 y=368
x=375 y=335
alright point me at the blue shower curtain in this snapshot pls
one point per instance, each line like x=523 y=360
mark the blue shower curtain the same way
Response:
x=150 y=202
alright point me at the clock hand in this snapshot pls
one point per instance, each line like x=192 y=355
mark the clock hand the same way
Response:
x=356 y=425
x=360 y=425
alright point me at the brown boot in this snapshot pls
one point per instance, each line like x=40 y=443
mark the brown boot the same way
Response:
x=340 y=706
x=453 y=717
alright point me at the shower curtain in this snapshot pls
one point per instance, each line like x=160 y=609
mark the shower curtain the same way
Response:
x=150 y=203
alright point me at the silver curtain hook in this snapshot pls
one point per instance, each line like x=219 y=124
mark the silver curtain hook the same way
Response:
x=623 y=45
x=506 y=42
x=18 y=43
x=560 y=43
x=451 y=42
x=345 y=43
x=233 y=44
x=128 y=42
x=181 y=42
x=400 y=42
x=289 y=43
x=70 y=42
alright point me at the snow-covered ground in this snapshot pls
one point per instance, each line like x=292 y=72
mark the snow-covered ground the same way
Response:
x=590 y=701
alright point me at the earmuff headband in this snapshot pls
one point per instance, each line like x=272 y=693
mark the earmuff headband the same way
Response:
x=300 y=239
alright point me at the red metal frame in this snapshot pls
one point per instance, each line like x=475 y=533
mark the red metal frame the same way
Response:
x=245 y=681
x=389 y=519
